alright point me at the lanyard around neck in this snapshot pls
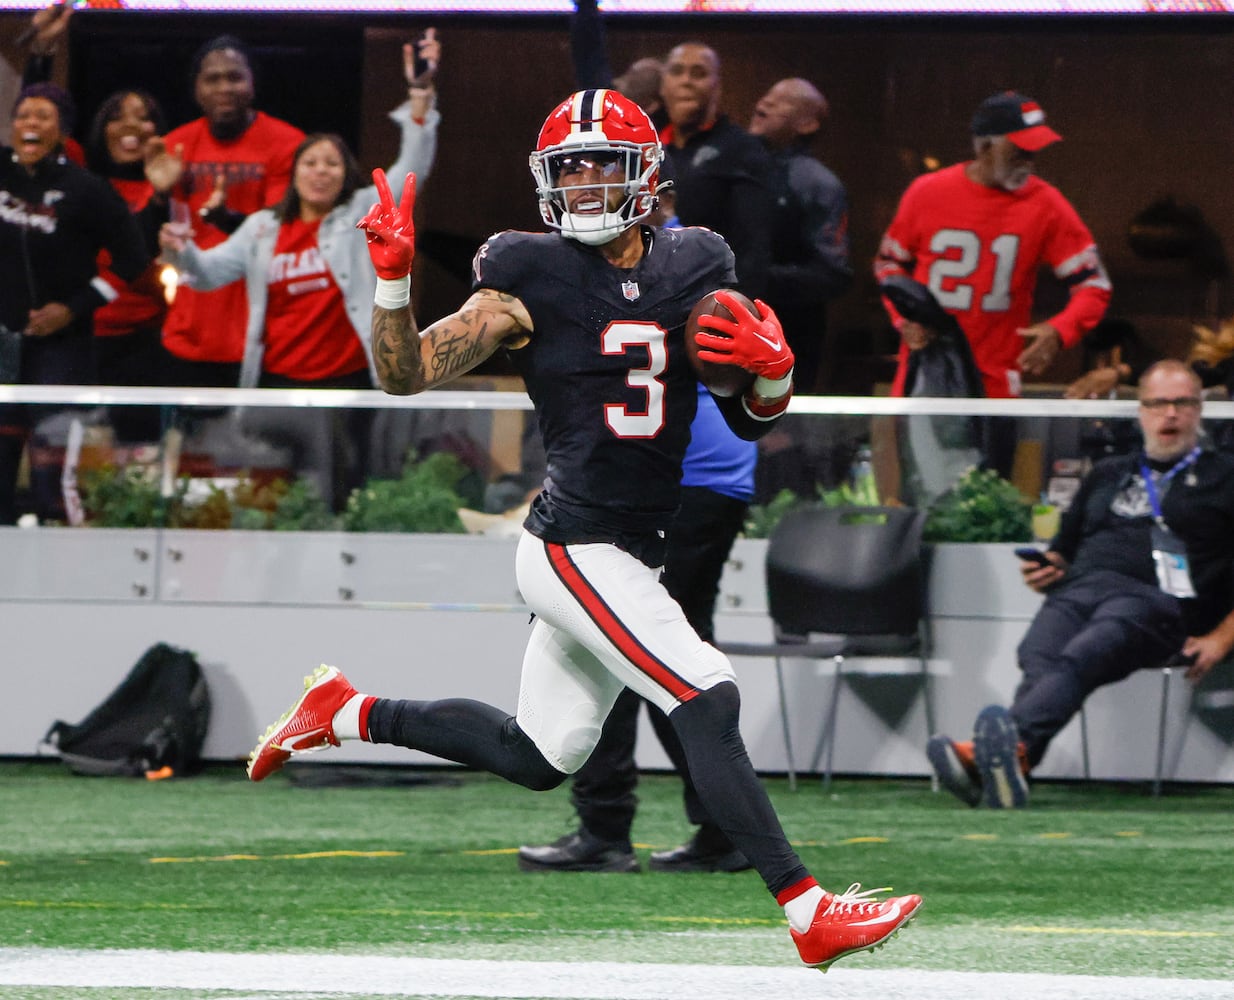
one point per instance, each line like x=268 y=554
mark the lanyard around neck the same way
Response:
x=1150 y=486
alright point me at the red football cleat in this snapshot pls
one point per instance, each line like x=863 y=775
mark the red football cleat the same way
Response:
x=308 y=725
x=850 y=921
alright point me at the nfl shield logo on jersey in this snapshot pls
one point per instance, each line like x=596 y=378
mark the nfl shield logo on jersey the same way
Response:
x=630 y=290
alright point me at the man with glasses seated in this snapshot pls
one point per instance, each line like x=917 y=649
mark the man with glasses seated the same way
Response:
x=1142 y=568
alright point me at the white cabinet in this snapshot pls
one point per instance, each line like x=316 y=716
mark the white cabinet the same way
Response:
x=63 y=564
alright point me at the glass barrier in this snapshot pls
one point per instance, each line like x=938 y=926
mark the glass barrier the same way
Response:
x=362 y=460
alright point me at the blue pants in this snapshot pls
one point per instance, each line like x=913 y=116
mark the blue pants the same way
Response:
x=1092 y=630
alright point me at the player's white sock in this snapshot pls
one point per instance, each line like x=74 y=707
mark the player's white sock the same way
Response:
x=799 y=911
x=347 y=719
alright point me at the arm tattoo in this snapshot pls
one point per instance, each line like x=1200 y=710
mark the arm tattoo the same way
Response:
x=488 y=293
x=459 y=343
x=456 y=344
x=396 y=351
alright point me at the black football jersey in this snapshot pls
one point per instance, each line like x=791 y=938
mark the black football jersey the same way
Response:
x=607 y=371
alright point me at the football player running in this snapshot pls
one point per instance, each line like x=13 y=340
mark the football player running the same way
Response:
x=593 y=317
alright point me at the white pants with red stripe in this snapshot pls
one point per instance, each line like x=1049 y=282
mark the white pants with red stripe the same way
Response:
x=603 y=622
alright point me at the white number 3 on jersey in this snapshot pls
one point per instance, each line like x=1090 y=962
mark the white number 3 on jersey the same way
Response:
x=621 y=419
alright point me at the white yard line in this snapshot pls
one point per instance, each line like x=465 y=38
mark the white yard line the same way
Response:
x=294 y=975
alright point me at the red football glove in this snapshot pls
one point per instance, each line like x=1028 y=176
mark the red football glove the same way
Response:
x=755 y=343
x=389 y=230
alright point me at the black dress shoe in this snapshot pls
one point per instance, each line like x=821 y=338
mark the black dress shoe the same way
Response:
x=578 y=852
x=697 y=856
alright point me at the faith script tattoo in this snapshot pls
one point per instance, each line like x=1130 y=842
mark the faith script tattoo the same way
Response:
x=456 y=344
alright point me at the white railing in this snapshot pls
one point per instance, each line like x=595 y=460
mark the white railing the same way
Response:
x=446 y=399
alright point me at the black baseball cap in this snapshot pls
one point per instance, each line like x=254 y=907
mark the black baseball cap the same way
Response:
x=1019 y=118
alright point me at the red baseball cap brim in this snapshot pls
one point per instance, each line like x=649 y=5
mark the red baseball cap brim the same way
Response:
x=1034 y=138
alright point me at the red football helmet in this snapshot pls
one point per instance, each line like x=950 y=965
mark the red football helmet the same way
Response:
x=609 y=134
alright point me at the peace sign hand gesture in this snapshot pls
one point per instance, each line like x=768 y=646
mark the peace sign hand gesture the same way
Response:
x=389 y=230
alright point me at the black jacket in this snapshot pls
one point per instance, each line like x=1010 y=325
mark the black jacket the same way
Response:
x=1097 y=534
x=52 y=225
x=722 y=177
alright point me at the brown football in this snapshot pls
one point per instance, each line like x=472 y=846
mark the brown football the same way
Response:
x=722 y=380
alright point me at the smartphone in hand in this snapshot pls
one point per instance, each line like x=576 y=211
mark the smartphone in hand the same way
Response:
x=1033 y=555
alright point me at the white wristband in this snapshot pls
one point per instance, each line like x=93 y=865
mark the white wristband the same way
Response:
x=772 y=388
x=393 y=293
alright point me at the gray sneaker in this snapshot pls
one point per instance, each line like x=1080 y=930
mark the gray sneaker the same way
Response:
x=996 y=751
x=957 y=771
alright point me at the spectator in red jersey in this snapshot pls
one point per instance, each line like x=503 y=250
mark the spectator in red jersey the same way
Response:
x=124 y=145
x=304 y=263
x=236 y=161
x=976 y=234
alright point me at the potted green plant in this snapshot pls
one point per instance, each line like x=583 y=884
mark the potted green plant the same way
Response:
x=423 y=499
x=980 y=507
x=129 y=497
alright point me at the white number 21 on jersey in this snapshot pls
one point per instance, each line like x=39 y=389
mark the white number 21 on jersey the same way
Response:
x=959 y=296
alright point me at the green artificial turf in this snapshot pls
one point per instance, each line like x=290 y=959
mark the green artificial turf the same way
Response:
x=1094 y=879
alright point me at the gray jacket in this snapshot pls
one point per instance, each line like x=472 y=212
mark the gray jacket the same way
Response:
x=248 y=251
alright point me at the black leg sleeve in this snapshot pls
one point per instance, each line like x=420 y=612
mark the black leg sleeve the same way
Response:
x=709 y=835
x=466 y=732
x=728 y=787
